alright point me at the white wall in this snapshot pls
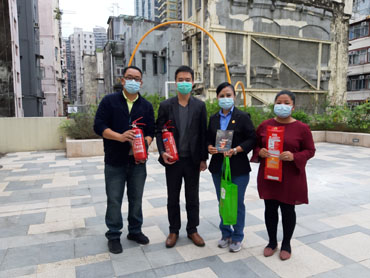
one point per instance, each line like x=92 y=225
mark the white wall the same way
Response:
x=31 y=134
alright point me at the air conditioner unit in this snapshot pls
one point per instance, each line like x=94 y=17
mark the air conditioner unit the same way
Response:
x=361 y=77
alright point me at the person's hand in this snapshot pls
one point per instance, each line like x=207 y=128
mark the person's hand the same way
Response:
x=229 y=153
x=212 y=149
x=140 y=161
x=166 y=158
x=203 y=166
x=264 y=153
x=127 y=136
x=286 y=156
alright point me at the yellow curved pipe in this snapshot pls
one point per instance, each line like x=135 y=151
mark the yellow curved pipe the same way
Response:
x=188 y=23
x=239 y=83
x=243 y=90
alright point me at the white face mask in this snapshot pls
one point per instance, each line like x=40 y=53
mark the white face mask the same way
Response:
x=283 y=110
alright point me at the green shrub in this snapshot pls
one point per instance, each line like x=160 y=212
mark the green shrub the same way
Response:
x=80 y=125
x=302 y=116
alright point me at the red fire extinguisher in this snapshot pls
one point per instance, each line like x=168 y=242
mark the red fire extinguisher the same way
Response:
x=138 y=144
x=169 y=142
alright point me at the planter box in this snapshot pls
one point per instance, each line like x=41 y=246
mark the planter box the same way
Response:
x=346 y=138
x=91 y=147
x=84 y=147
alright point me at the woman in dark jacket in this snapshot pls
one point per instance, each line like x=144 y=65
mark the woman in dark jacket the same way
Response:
x=244 y=138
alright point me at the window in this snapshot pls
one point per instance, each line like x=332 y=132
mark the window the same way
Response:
x=199 y=4
x=368 y=55
x=362 y=56
x=143 y=62
x=190 y=8
x=84 y=41
x=155 y=64
x=357 y=83
x=199 y=50
x=190 y=58
x=359 y=30
x=56 y=53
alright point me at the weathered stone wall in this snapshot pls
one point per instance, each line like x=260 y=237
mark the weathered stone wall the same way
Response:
x=284 y=47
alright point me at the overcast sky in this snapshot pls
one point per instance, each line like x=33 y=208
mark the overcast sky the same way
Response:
x=87 y=14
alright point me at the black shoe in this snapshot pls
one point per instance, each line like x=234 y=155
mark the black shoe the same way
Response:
x=139 y=238
x=115 y=246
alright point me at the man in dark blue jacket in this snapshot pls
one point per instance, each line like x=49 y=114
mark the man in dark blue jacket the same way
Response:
x=113 y=121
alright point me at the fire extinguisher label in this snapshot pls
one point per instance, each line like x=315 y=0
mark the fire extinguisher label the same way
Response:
x=165 y=140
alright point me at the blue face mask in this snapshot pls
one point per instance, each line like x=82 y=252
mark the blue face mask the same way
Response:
x=226 y=102
x=282 y=110
x=132 y=86
x=184 y=87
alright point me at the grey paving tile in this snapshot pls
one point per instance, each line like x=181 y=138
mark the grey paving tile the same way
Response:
x=14 y=230
x=172 y=269
x=130 y=261
x=329 y=234
x=23 y=271
x=91 y=245
x=158 y=202
x=259 y=268
x=101 y=270
x=19 y=185
x=32 y=219
x=21 y=257
x=57 y=251
x=352 y=270
x=328 y=252
x=92 y=221
x=224 y=270
x=142 y=274
x=164 y=257
x=2 y=255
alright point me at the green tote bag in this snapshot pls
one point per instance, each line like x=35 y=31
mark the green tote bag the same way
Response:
x=228 y=196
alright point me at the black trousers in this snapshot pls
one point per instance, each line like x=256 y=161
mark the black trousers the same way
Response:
x=175 y=173
x=272 y=219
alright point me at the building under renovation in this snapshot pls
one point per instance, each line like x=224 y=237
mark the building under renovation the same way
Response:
x=269 y=46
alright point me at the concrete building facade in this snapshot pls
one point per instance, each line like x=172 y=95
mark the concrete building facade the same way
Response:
x=145 y=9
x=100 y=35
x=269 y=46
x=51 y=49
x=10 y=72
x=93 y=78
x=358 y=81
x=29 y=47
x=361 y=8
x=158 y=56
x=169 y=10
x=81 y=43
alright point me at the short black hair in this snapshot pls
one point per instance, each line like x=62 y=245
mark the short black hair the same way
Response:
x=224 y=85
x=185 y=69
x=132 y=67
x=286 y=92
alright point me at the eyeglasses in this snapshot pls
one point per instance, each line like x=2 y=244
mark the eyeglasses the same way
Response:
x=129 y=78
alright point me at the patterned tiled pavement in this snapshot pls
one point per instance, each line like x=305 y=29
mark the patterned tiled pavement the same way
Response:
x=52 y=223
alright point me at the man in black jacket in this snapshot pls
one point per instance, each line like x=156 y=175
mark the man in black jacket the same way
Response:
x=189 y=118
x=113 y=119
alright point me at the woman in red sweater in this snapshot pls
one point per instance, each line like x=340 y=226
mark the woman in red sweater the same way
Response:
x=298 y=147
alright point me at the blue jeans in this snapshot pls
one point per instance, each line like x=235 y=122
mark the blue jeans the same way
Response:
x=236 y=232
x=115 y=179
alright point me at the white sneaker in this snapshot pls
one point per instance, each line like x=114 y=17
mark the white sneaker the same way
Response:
x=235 y=246
x=224 y=242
